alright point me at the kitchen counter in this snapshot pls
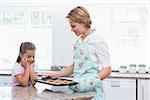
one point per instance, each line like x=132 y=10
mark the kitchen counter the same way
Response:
x=130 y=75
x=31 y=93
x=113 y=74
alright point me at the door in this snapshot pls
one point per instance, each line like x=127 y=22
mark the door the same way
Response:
x=120 y=89
x=143 y=89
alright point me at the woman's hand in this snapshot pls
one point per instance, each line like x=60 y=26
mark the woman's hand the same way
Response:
x=54 y=75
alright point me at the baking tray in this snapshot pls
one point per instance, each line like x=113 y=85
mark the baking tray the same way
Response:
x=56 y=81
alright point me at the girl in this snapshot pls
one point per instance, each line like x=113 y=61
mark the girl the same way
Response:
x=24 y=71
x=91 y=57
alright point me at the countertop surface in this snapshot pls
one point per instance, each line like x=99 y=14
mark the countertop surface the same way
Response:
x=113 y=74
x=130 y=75
x=31 y=93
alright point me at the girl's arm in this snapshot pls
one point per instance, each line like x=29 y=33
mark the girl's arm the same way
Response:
x=32 y=75
x=105 y=72
x=23 y=79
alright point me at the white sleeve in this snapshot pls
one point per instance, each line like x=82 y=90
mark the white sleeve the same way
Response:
x=103 y=54
x=16 y=70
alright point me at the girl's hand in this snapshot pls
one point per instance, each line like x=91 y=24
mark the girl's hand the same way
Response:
x=24 y=62
x=32 y=65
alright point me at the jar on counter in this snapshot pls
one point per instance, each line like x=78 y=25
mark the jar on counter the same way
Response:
x=149 y=69
x=142 y=68
x=132 y=68
x=123 y=69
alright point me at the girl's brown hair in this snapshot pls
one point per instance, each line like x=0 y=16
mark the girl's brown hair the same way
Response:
x=80 y=15
x=24 y=47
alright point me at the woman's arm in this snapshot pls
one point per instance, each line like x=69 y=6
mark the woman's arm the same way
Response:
x=103 y=57
x=105 y=72
x=65 y=72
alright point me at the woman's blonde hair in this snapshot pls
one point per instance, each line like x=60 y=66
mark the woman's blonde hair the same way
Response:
x=80 y=15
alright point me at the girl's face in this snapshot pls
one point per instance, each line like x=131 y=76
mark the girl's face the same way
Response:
x=77 y=28
x=29 y=54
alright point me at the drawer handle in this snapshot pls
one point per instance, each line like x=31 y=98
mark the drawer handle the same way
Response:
x=115 y=84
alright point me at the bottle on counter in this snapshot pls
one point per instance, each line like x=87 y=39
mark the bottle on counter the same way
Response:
x=142 y=68
x=149 y=69
x=57 y=68
x=132 y=68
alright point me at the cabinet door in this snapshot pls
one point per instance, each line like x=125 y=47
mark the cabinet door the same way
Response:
x=120 y=89
x=5 y=80
x=143 y=89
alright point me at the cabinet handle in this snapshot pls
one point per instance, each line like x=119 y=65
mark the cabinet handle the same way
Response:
x=142 y=92
x=115 y=84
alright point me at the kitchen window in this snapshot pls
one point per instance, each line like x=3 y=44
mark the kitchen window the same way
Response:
x=25 y=23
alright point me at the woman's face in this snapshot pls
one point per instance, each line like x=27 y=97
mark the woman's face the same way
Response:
x=77 y=28
x=29 y=54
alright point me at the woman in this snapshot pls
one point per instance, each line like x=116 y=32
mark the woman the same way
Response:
x=91 y=57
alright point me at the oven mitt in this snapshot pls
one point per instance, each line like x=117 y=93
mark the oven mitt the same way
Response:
x=85 y=84
x=89 y=84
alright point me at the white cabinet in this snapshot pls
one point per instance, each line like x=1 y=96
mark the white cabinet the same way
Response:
x=120 y=89
x=143 y=89
x=4 y=80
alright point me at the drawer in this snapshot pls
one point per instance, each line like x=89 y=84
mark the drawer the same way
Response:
x=120 y=89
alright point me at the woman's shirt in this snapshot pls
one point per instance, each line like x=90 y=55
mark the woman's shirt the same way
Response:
x=98 y=49
x=19 y=69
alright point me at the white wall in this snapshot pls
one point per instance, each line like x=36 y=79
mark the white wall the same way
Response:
x=117 y=19
x=123 y=25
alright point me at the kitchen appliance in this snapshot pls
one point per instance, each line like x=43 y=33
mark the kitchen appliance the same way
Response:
x=142 y=68
x=132 y=68
x=149 y=69
x=123 y=69
x=57 y=68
